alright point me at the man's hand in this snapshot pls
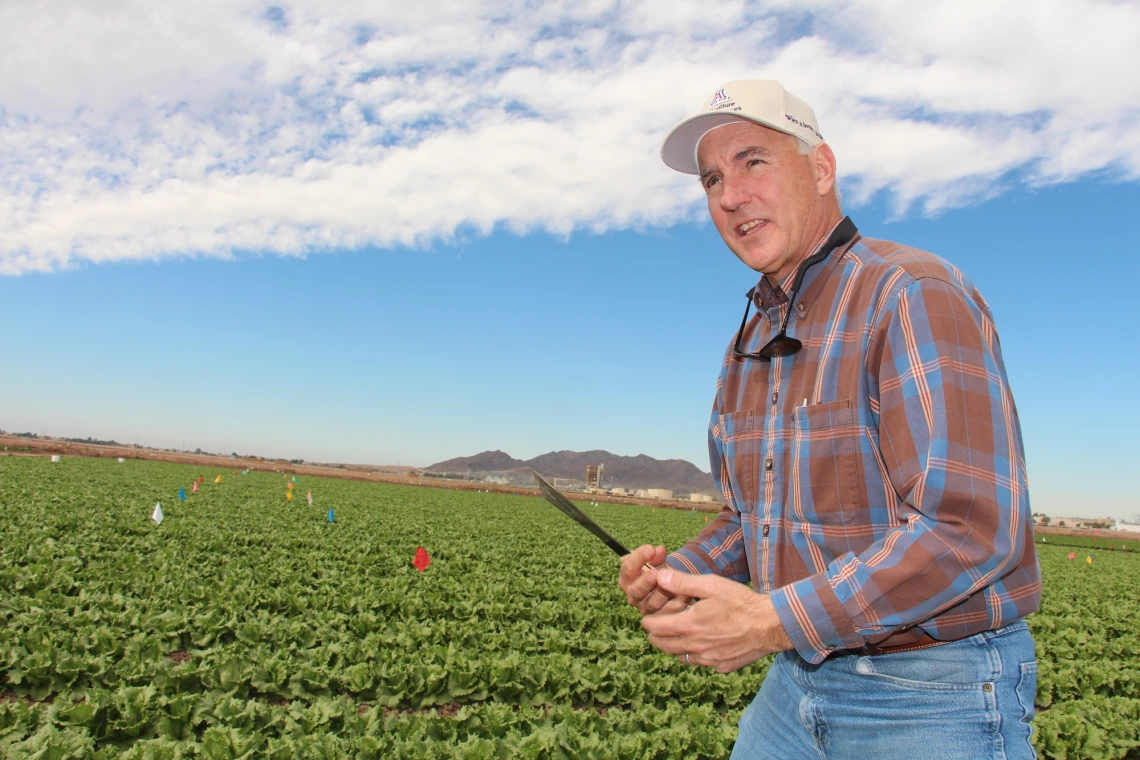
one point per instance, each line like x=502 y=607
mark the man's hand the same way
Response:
x=640 y=585
x=730 y=627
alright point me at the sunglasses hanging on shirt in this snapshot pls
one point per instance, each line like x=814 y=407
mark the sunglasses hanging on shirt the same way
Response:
x=782 y=344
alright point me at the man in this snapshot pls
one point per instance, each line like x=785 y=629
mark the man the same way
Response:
x=868 y=448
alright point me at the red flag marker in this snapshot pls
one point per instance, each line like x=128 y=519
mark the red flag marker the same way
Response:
x=1073 y=555
x=422 y=559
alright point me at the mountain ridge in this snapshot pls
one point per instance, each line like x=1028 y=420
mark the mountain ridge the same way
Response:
x=640 y=471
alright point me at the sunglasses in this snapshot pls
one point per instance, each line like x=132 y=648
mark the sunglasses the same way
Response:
x=783 y=344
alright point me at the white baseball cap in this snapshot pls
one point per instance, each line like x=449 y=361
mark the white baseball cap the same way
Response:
x=763 y=101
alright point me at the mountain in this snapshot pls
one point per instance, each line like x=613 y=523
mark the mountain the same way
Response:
x=639 y=471
x=488 y=461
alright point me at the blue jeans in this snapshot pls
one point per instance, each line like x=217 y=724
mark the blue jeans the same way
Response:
x=965 y=700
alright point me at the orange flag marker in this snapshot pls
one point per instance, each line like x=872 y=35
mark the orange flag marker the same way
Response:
x=421 y=560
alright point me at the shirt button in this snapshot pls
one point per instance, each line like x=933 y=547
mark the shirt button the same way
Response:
x=775 y=395
x=800 y=307
x=768 y=463
x=765 y=531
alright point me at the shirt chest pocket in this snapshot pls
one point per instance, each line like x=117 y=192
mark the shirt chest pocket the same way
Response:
x=826 y=486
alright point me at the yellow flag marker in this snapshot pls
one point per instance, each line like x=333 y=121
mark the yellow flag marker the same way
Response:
x=289 y=495
x=218 y=479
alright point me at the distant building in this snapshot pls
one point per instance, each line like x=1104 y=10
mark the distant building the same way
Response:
x=1083 y=522
x=619 y=491
x=594 y=476
x=701 y=497
x=659 y=493
x=1132 y=525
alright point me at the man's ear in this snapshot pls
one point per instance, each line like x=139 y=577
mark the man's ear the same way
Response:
x=823 y=168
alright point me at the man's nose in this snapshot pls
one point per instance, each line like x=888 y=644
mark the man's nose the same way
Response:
x=732 y=195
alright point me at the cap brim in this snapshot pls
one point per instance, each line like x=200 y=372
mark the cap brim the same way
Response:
x=679 y=151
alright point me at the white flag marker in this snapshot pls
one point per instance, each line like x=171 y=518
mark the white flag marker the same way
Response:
x=156 y=515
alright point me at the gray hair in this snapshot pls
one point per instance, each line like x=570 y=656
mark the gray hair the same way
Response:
x=804 y=149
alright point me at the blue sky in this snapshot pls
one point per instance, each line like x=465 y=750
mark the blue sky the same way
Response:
x=533 y=343
x=380 y=234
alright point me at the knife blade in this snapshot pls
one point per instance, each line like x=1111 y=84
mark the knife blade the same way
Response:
x=567 y=507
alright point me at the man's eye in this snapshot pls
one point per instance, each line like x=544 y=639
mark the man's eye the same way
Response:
x=711 y=181
x=754 y=162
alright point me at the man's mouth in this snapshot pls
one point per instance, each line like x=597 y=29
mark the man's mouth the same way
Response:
x=751 y=226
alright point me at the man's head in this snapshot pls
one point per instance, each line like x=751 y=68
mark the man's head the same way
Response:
x=768 y=175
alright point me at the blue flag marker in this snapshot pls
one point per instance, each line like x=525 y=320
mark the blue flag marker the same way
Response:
x=330 y=515
x=182 y=494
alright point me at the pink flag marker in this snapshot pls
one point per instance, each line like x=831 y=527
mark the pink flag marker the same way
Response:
x=195 y=486
x=1073 y=555
x=310 y=498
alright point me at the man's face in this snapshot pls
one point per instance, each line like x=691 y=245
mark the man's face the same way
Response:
x=763 y=195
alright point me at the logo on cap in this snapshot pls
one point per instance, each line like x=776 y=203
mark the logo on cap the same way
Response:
x=718 y=97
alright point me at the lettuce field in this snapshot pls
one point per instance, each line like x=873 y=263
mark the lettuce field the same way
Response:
x=248 y=625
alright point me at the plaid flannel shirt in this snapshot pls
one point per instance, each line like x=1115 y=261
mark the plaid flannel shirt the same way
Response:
x=875 y=481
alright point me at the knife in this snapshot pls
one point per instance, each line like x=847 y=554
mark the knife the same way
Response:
x=567 y=507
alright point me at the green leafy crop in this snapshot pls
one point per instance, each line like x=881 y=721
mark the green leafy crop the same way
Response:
x=246 y=625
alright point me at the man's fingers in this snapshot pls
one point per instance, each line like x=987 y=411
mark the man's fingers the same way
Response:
x=656 y=601
x=642 y=587
x=676 y=645
x=695 y=586
x=674 y=604
x=668 y=625
x=691 y=660
x=633 y=564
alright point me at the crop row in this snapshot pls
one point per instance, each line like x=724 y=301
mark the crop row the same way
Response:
x=137 y=723
x=246 y=622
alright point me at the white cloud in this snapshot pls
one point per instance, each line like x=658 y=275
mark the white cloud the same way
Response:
x=137 y=130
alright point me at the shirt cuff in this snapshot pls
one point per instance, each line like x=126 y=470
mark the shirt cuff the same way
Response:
x=687 y=562
x=814 y=618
